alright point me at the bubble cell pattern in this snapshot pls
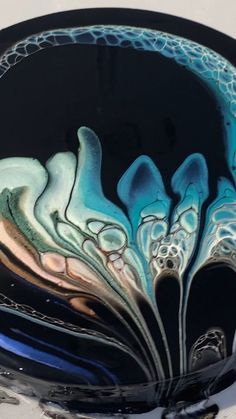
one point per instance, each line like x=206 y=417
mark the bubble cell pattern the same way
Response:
x=61 y=234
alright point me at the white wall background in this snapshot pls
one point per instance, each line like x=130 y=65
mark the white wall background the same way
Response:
x=218 y=14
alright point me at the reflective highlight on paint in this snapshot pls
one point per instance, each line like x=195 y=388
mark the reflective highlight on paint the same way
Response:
x=61 y=234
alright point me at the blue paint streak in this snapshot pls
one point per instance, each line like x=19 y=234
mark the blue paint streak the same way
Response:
x=27 y=352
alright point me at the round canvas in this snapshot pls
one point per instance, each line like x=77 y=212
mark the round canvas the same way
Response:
x=117 y=213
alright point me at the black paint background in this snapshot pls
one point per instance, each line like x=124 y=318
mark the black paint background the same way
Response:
x=138 y=103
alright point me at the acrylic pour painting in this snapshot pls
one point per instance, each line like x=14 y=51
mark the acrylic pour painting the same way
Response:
x=118 y=212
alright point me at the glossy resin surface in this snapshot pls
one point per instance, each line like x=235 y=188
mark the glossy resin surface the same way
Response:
x=118 y=286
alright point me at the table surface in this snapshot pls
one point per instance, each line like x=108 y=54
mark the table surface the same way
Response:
x=29 y=408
